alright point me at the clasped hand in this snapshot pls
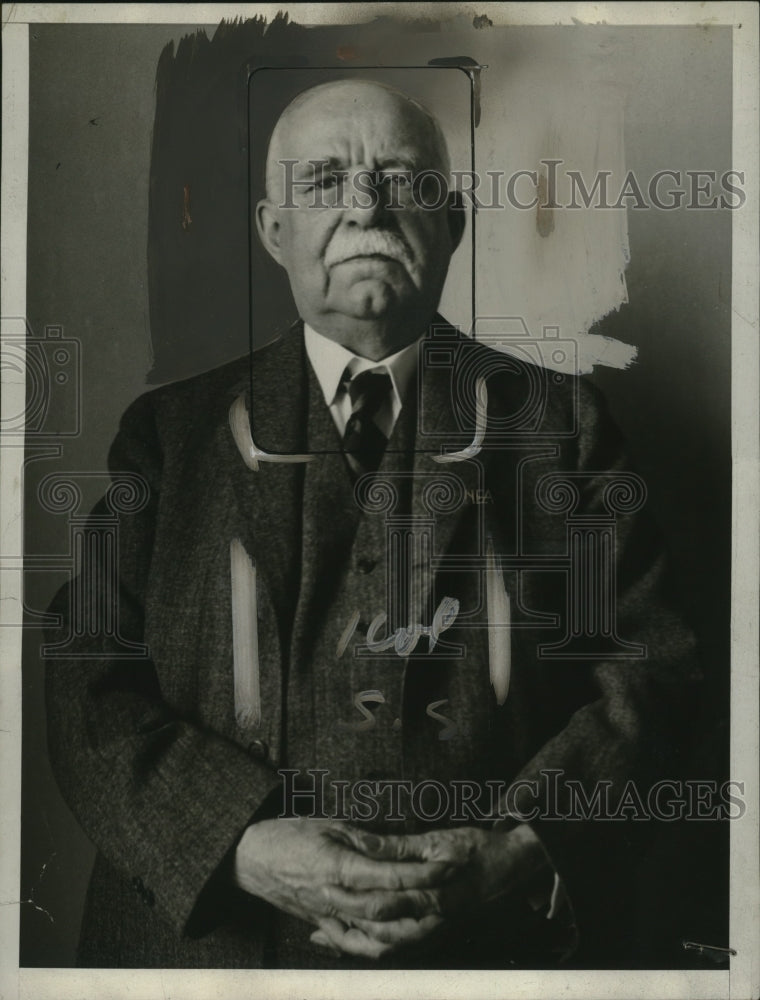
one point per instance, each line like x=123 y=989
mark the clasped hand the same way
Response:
x=370 y=894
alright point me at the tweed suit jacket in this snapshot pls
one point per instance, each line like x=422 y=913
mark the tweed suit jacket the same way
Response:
x=147 y=751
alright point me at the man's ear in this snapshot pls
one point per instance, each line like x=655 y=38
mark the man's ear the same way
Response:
x=268 y=226
x=456 y=218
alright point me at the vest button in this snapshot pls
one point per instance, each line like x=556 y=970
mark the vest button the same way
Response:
x=258 y=748
x=145 y=894
x=366 y=565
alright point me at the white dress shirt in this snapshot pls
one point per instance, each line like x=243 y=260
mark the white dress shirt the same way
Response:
x=330 y=360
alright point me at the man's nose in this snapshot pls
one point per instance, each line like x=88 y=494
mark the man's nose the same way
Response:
x=364 y=199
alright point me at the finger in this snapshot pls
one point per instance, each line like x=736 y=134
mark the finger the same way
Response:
x=381 y=904
x=380 y=848
x=357 y=872
x=321 y=939
x=352 y=940
x=399 y=932
x=452 y=846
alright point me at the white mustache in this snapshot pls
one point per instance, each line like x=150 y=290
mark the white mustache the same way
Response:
x=366 y=243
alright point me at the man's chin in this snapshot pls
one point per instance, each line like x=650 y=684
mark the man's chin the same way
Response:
x=371 y=300
x=374 y=296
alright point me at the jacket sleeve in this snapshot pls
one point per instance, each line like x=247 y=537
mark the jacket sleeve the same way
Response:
x=643 y=712
x=161 y=798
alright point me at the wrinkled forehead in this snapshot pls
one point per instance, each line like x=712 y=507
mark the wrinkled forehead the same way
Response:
x=358 y=122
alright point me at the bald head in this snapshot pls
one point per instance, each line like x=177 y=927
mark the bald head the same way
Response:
x=354 y=105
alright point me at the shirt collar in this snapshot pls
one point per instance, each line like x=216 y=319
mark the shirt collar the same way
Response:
x=330 y=360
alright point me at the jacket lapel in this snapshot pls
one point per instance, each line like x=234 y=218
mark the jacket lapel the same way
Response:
x=269 y=498
x=442 y=491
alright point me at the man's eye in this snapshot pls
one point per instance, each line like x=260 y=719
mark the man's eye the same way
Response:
x=397 y=179
x=328 y=181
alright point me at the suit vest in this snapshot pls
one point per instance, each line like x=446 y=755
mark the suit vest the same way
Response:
x=343 y=710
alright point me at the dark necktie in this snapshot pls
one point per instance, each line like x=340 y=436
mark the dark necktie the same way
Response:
x=363 y=441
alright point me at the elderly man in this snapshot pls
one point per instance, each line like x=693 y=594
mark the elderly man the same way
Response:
x=321 y=573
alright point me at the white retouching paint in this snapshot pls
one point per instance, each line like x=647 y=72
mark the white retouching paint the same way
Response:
x=245 y=637
x=562 y=268
x=588 y=350
x=499 y=622
x=241 y=432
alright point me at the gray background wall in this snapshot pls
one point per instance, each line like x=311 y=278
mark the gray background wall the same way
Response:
x=91 y=115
